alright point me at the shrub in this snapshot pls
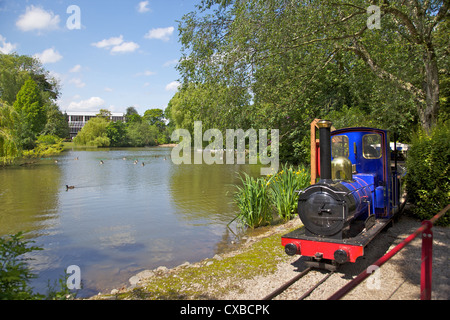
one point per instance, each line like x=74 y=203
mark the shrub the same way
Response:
x=15 y=274
x=428 y=165
x=46 y=145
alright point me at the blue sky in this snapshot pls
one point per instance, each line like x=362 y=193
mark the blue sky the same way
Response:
x=122 y=54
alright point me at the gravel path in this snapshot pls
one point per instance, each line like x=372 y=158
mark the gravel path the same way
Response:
x=399 y=278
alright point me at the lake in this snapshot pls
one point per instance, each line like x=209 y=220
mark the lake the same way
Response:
x=121 y=217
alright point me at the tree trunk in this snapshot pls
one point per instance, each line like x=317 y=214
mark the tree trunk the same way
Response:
x=428 y=113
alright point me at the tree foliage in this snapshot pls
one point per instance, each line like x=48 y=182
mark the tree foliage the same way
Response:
x=137 y=131
x=31 y=91
x=94 y=133
x=9 y=145
x=31 y=110
x=14 y=272
x=428 y=178
x=16 y=69
x=295 y=61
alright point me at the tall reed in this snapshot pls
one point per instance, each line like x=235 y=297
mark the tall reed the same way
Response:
x=283 y=186
x=258 y=198
x=252 y=199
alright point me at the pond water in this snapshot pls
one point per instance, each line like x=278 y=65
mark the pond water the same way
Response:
x=121 y=217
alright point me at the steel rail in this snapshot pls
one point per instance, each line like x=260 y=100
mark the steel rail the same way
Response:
x=287 y=284
x=307 y=293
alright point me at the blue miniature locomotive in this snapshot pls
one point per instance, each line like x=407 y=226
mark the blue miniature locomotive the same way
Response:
x=356 y=197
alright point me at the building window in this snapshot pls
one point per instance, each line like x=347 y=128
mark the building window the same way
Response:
x=76 y=118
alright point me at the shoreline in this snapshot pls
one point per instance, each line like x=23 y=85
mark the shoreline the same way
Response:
x=247 y=274
x=204 y=273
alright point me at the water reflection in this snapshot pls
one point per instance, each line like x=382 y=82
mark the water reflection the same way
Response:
x=28 y=197
x=121 y=217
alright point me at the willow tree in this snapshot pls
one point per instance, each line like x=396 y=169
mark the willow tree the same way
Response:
x=9 y=146
x=280 y=49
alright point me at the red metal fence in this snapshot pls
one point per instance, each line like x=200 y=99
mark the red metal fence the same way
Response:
x=426 y=267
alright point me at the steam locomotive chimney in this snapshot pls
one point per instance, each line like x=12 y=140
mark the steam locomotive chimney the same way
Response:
x=325 y=150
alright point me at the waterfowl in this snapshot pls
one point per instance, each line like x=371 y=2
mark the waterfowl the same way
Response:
x=143 y=164
x=135 y=161
x=101 y=162
x=69 y=187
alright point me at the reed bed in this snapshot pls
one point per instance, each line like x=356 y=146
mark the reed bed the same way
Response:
x=261 y=199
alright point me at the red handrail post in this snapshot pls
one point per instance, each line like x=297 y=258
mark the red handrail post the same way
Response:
x=427 y=261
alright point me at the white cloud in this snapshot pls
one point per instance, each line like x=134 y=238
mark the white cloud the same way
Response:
x=173 y=86
x=143 y=7
x=77 y=82
x=48 y=56
x=125 y=47
x=76 y=68
x=160 y=33
x=108 y=89
x=91 y=104
x=145 y=73
x=107 y=43
x=36 y=18
x=6 y=47
x=116 y=45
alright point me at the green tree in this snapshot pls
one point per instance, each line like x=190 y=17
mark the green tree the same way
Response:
x=154 y=117
x=131 y=110
x=16 y=69
x=216 y=106
x=141 y=134
x=117 y=134
x=10 y=148
x=57 y=123
x=282 y=50
x=104 y=113
x=94 y=133
x=32 y=112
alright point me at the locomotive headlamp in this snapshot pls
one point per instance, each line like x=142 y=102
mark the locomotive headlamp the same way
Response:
x=341 y=256
x=292 y=249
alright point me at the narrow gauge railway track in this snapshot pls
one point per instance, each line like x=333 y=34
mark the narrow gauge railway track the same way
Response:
x=289 y=283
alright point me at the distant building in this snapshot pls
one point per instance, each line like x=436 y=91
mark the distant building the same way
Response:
x=77 y=120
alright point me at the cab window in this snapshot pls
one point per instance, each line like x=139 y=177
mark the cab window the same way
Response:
x=339 y=146
x=372 y=146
